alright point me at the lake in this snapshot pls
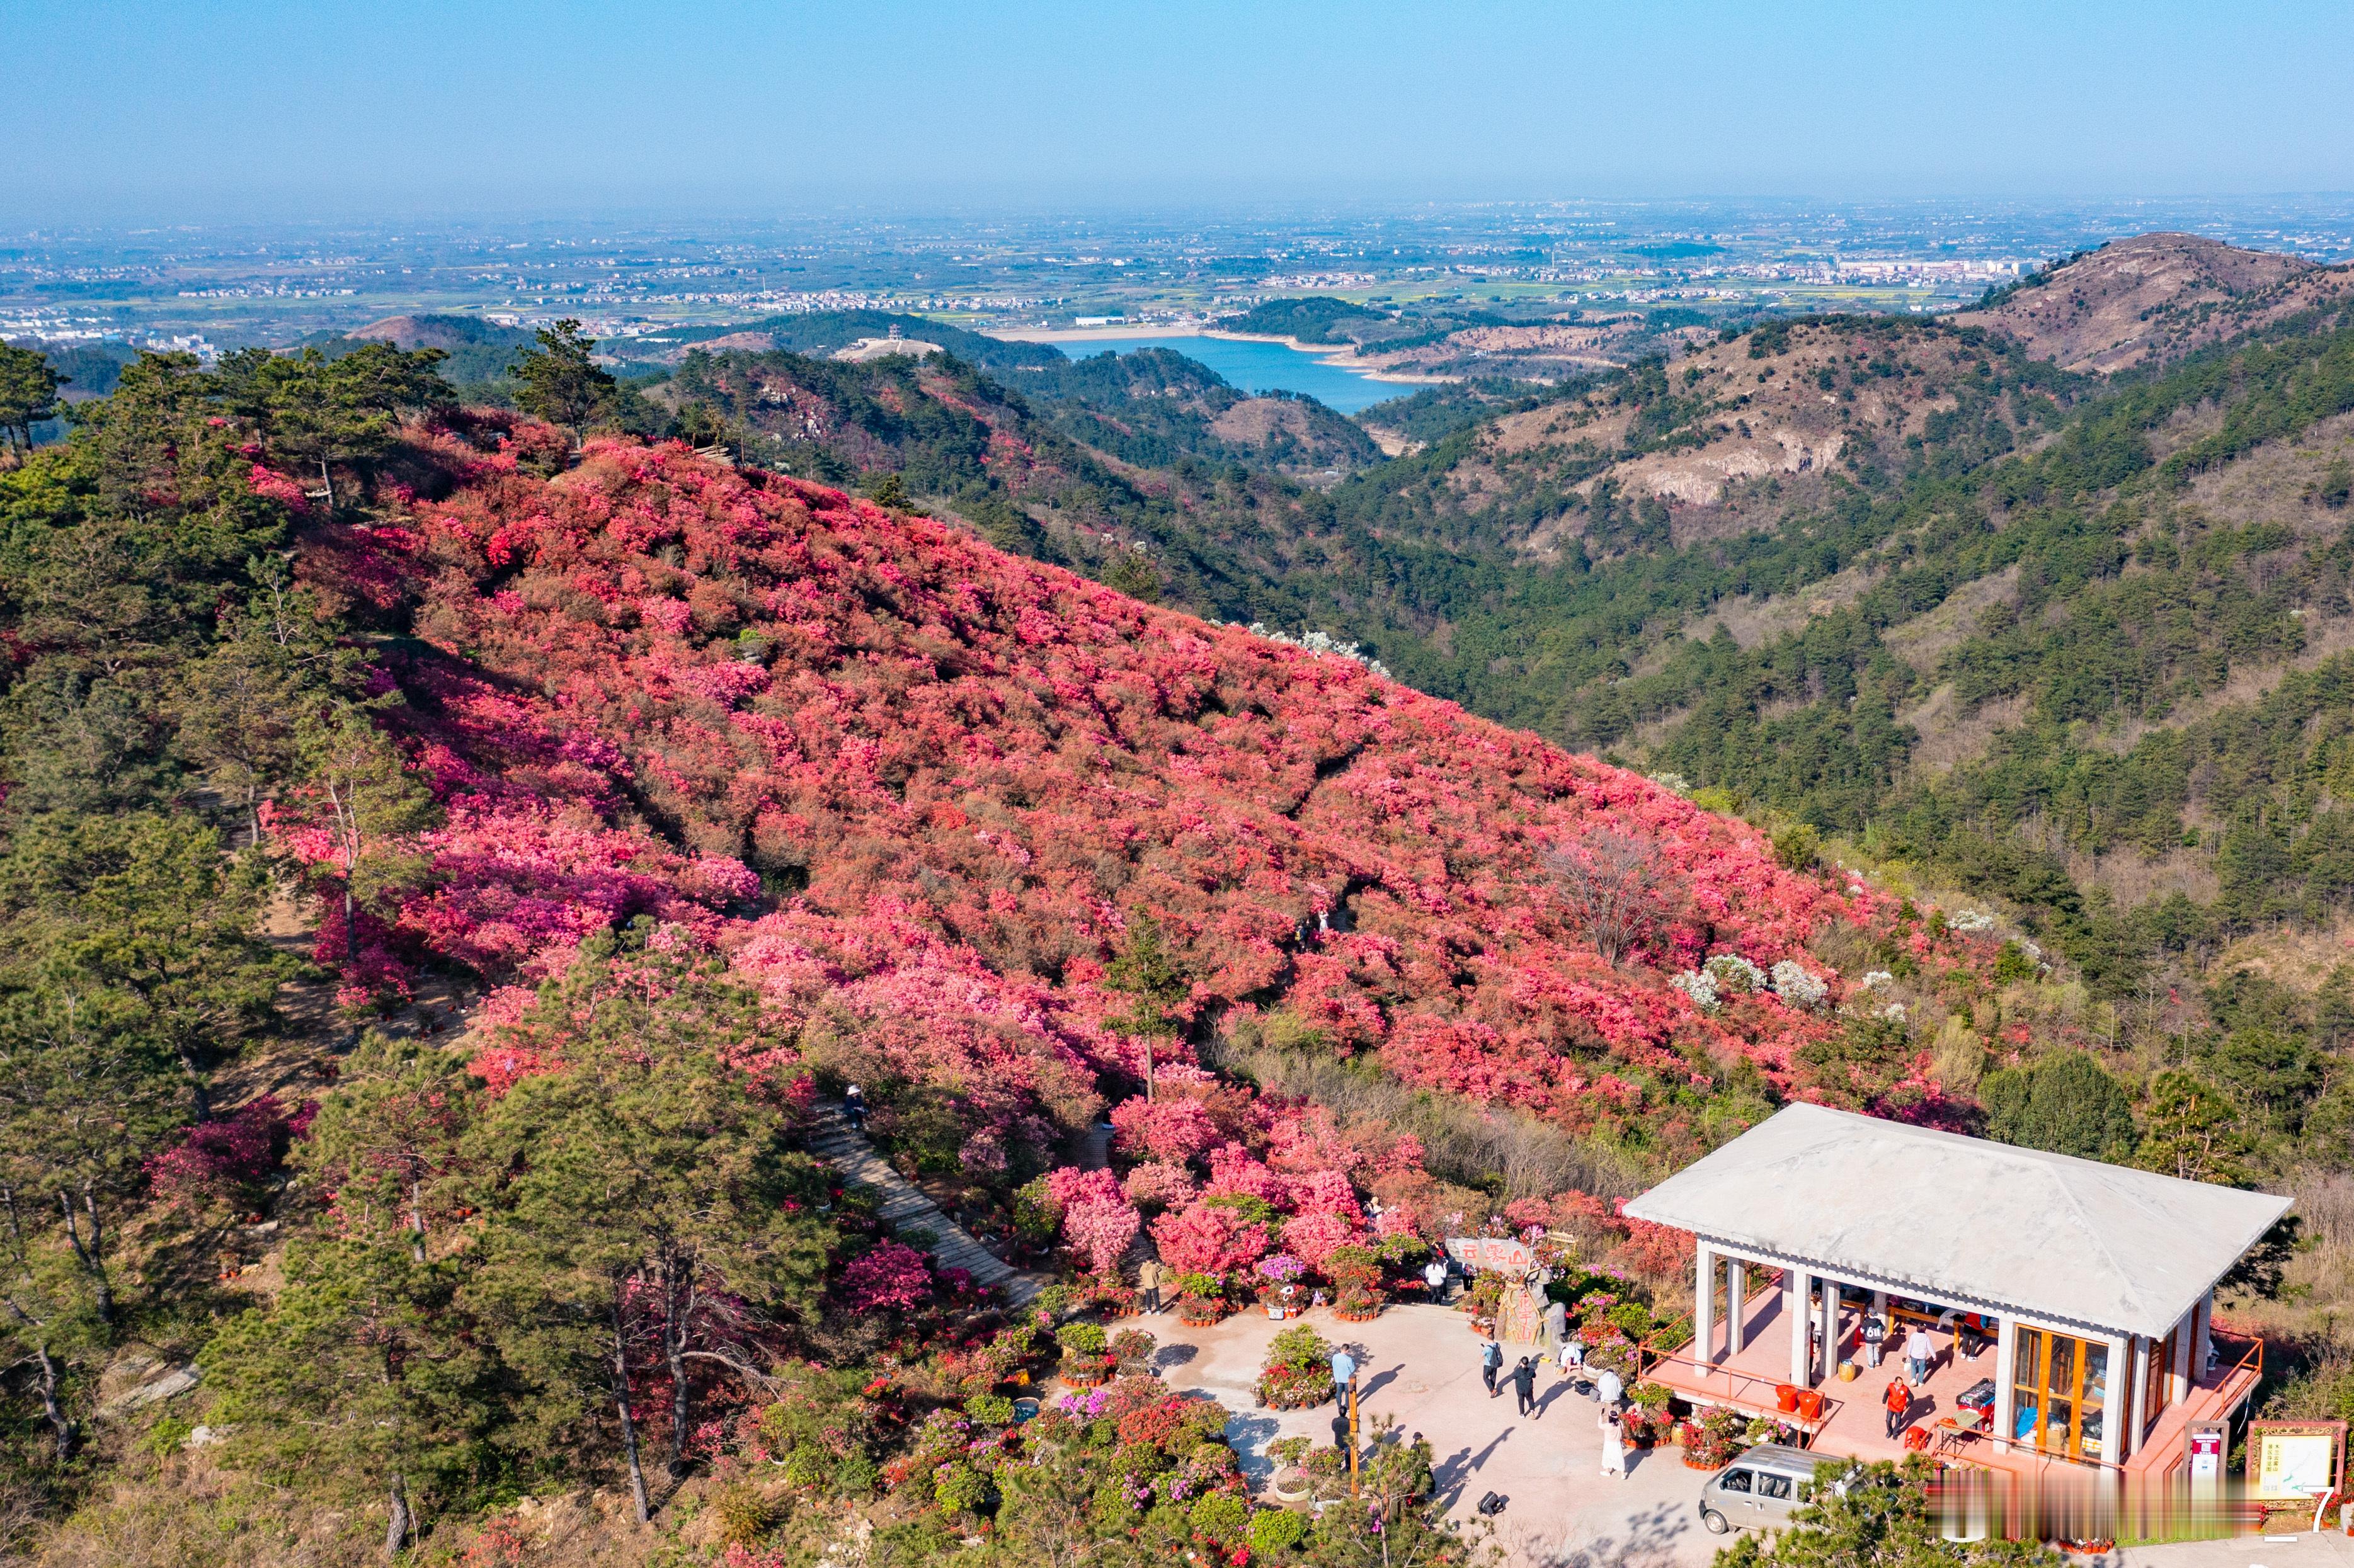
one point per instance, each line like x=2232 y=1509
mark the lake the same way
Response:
x=1259 y=367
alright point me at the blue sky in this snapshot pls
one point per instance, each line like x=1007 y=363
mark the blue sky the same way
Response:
x=221 y=109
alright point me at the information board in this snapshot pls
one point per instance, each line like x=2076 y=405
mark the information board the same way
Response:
x=2291 y=1461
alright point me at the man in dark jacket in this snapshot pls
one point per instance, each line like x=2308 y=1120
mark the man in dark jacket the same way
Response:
x=1524 y=1384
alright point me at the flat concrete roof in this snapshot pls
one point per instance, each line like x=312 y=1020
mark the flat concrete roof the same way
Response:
x=1963 y=1220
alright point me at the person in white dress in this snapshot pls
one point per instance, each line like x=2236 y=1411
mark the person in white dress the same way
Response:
x=1613 y=1444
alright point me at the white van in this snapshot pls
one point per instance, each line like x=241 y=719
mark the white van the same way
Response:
x=1759 y=1490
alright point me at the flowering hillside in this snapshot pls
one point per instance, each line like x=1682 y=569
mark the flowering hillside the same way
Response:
x=922 y=792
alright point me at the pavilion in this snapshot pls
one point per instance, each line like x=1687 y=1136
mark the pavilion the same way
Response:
x=2093 y=1286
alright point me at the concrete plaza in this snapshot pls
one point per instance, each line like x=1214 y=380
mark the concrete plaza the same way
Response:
x=1420 y=1364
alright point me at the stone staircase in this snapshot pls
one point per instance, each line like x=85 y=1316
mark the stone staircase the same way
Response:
x=905 y=1208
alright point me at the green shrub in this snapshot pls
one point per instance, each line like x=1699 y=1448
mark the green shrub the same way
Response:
x=1082 y=1339
x=1221 y=1515
x=1277 y=1529
x=1798 y=847
x=856 y=1477
x=991 y=1409
x=960 y=1488
x=743 y=1515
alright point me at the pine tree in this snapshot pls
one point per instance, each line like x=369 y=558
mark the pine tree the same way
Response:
x=641 y=1199
x=361 y=1378
x=390 y=1141
x=560 y=382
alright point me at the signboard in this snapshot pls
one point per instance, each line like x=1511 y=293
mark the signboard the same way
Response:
x=2203 y=1445
x=2293 y=1461
x=1501 y=1253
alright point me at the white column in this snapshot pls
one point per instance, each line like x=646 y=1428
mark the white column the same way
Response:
x=2116 y=1410
x=1737 y=1305
x=1705 y=1306
x=2143 y=1348
x=2006 y=1351
x=1832 y=1355
x=1794 y=1303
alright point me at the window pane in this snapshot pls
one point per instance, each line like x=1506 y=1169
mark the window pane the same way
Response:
x=1734 y=1481
x=1773 y=1486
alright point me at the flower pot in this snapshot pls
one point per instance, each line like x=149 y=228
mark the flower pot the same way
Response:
x=1091 y=1378
x=1695 y=1460
x=1291 y=1489
x=1785 y=1397
x=1847 y=1371
x=1277 y=1310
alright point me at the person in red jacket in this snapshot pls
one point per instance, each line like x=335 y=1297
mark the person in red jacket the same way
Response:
x=1899 y=1401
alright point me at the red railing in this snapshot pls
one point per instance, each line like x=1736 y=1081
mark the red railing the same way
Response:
x=1760 y=1394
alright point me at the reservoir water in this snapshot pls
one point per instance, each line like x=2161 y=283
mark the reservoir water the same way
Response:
x=1259 y=367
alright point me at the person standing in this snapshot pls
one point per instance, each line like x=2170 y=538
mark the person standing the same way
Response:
x=1434 y=1276
x=853 y=1108
x=1898 y=1401
x=1614 y=1445
x=1524 y=1384
x=1491 y=1359
x=1875 y=1334
x=1148 y=1284
x=1344 y=1373
x=1917 y=1351
x=1609 y=1389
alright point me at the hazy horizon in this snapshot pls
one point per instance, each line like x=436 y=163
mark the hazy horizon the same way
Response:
x=271 y=112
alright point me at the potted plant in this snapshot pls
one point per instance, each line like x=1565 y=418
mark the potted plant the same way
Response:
x=1356 y=1275
x=1131 y=1349
x=1486 y=1295
x=1298 y=1371
x=1716 y=1436
x=1086 y=1359
x=1291 y=1486
x=1279 y=1291
x=1200 y=1299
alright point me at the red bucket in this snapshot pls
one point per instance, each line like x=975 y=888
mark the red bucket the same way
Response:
x=1785 y=1397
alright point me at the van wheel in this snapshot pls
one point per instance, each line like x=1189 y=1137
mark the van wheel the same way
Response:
x=1715 y=1522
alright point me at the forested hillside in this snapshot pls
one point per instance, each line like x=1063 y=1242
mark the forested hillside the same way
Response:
x=453 y=853
x=439 y=893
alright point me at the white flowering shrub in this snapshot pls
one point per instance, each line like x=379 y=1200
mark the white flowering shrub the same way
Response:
x=1874 y=979
x=1793 y=985
x=1971 y=920
x=1698 y=985
x=1675 y=781
x=1735 y=975
x=1894 y=1012
x=1320 y=642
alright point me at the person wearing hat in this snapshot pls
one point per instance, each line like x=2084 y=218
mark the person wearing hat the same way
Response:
x=853 y=1108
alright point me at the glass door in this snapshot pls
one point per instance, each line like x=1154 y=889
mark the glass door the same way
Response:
x=2060 y=1394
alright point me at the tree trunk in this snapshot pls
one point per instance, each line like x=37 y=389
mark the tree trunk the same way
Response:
x=396 y=1534
x=51 y=1410
x=328 y=481
x=415 y=1221
x=201 y=1096
x=91 y=1254
x=622 y=1408
x=674 y=1350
